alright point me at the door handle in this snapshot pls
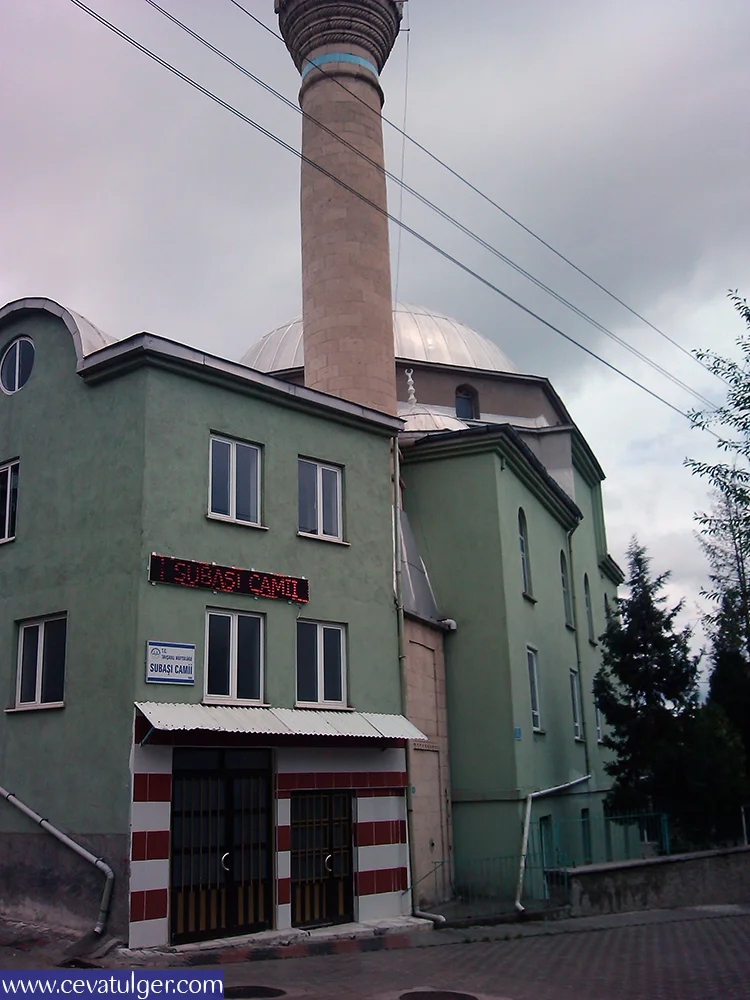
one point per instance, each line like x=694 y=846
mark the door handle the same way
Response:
x=328 y=867
x=223 y=860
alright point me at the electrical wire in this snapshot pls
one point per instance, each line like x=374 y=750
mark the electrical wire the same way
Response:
x=454 y=173
x=378 y=208
x=436 y=208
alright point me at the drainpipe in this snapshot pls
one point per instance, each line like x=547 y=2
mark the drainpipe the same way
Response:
x=576 y=637
x=80 y=851
x=527 y=826
x=436 y=918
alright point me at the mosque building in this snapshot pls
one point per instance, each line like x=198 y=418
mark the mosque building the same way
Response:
x=286 y=638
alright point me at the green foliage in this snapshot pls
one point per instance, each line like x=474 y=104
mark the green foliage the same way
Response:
x=670 y=755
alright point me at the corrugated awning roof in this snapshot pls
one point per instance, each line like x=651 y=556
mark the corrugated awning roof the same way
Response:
x=173 y=716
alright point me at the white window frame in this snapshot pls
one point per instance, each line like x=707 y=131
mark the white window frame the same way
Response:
x=231 y=698
x=13 y=343
x=532 y=663
x=576 y=703
x=41 y=624
x=321 y=703
x=6 y=536
x=321 y=467
x=232 y=516
x=599 y=724
x=523 y=543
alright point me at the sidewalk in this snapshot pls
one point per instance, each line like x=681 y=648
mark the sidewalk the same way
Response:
x=25 y=946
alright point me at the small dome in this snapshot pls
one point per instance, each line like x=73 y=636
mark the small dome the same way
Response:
x=421 y=419
x=419 y=334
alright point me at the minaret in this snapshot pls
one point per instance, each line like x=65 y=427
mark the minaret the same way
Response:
x=346 y=268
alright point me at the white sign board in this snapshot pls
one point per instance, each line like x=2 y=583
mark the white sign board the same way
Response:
x=170 y=663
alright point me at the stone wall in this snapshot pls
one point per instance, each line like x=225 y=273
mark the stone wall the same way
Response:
x=43 y=882
x=705 y=878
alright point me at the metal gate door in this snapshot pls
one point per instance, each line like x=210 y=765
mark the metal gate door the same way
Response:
x=221 y=838
x=321 y=858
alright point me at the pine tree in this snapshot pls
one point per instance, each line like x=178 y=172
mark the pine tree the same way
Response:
x=671 y=755
x=647 y=691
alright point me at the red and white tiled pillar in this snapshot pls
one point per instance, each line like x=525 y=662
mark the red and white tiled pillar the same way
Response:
x=377 y=779
x=150 y=846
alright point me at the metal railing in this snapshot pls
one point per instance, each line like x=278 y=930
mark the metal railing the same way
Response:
x=480 y=887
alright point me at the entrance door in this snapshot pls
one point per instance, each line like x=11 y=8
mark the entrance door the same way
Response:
x=322 y=885
x=221 y=868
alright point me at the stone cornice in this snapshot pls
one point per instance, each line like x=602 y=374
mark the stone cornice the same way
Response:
x=308 y=25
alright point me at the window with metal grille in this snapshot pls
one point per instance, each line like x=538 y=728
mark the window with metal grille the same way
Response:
x=41 y=662
x=234 y=493
x=321 y=666
x=234 y=657
x=320 y=503
x=8 y=501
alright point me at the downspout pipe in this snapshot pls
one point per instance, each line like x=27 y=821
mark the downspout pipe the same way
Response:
x=80 y=851
x=437 y=918
x=527 y=827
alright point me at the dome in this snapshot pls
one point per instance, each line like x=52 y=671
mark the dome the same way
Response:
x=421 y=419
x=420 y=335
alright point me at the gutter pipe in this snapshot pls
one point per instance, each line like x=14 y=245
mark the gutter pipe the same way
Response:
x=527 y=826
x=80 y=851
x=437 y=918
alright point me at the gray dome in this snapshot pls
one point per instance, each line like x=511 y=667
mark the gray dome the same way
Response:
x=420 y=335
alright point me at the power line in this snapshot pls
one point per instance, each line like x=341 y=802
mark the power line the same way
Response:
x=384 y=212
x=436 y=208
x=490 y=201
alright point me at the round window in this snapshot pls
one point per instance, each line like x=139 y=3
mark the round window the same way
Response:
x=16 y=365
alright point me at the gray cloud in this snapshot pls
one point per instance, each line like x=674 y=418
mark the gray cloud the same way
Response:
x=618 y=131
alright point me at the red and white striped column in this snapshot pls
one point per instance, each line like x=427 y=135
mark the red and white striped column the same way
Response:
x=150 y=846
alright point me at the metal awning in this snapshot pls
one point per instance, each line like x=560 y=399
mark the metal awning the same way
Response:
x=176 y=716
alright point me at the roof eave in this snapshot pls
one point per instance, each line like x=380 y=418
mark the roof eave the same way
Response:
x=146 y=349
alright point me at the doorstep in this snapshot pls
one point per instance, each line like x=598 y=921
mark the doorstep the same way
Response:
x=372 y=935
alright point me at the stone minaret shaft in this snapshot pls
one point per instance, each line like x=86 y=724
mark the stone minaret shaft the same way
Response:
x=346 y=269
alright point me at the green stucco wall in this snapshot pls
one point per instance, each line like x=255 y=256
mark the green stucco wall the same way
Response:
x=79 y=509
x=464 y=512
x=112 y=470
x=351 y=584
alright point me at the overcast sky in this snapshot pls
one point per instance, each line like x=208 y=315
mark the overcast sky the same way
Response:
x=617 y=131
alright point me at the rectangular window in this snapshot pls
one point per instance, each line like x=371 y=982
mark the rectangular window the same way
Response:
x=320 y=499
x=41 y=662
x=599 y=730
x=575 y=697
x=235 y=481
x=234 y=657
x=321 y=667
x=531 y=659
x=8 y=500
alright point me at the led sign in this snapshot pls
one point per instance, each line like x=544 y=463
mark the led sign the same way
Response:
x=227 y=579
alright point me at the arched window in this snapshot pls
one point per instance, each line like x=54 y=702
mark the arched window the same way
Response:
x=565 y=580
x=523 y=542
x=467 y=403
x=589 y=609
